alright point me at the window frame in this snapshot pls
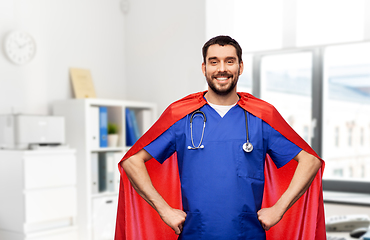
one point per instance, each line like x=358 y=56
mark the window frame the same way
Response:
x=336 y=185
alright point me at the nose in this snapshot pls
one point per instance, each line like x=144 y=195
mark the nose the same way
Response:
x=222 y=67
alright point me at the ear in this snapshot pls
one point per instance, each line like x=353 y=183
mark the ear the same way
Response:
x=204 y=68
x=241 y=67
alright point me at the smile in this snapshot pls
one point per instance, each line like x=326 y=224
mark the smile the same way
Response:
x=222 y=78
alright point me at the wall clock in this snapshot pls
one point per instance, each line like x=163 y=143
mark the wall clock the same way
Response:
x=20 y=47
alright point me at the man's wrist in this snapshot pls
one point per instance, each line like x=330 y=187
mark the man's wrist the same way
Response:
x=161 y=207
x=281 y=207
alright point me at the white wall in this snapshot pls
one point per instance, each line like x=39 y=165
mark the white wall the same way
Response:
x=69 y=33
x=163 y=49
x=155 y=46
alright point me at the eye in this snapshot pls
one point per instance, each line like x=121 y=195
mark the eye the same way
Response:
x=213 y=62
x=230 y=61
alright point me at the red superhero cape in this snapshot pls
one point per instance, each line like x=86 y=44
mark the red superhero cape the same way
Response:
x=136 y=220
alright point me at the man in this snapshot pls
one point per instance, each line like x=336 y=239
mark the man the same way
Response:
x=222 y=185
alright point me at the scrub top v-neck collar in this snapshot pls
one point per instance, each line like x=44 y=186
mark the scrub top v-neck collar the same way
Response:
x=220 y=109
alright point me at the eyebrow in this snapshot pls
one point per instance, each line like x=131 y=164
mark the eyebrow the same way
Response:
x=212 y=58
x=227 y=58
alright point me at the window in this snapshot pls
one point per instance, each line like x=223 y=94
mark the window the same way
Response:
x=350 y=134
x=338 y=172
x=363 y=171
x=336 y=137
x=306 y=133
x=324 y=94
x=347 y=105
x=286 y=84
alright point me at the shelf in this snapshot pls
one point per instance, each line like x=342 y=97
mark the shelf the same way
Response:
x=97 y=210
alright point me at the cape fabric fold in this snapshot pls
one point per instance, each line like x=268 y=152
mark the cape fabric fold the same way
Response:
x=136 y=220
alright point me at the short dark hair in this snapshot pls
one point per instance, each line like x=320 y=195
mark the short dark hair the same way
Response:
x=222 y=41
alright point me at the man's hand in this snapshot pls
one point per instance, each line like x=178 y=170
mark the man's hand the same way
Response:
x=268 y=217
x=174 y=218
x=307 y=168
x=138 y=175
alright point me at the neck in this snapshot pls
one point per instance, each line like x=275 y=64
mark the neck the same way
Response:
x=217 y=99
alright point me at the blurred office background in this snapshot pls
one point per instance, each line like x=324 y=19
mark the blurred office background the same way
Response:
x=309 y=58
x=151 y=51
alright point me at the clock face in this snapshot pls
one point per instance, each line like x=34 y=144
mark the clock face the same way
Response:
x=20 y=47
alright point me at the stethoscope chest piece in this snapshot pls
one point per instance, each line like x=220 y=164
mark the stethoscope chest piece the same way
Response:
x=247 y=147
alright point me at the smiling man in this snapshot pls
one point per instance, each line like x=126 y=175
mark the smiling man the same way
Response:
x=222 y=183
x=222 y=68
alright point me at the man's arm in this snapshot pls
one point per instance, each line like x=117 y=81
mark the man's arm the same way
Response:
x=138 y=175
x=307 y=168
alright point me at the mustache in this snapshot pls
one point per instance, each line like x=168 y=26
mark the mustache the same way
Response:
x=222 y=75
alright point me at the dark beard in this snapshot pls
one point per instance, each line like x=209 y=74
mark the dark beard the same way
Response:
x=222 y=92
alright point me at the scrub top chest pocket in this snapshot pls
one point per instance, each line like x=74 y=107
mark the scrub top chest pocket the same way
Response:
x=251 y=164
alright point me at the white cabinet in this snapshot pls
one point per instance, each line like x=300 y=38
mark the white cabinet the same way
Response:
x=38 y=194
x=97 y=205
x=104 y=208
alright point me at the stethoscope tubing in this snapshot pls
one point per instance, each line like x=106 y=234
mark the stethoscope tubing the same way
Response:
x=191 y=130
x=247 y=147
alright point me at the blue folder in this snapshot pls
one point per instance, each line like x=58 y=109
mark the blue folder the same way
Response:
x=103 y=126
x=131 y=137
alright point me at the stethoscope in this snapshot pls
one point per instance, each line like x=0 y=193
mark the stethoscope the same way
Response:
x=247 y=146
x=191 y=130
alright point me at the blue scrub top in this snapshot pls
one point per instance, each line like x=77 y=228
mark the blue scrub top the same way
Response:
x=222 y=186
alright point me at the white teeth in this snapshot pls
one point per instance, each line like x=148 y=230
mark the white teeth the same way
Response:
x=222 y=79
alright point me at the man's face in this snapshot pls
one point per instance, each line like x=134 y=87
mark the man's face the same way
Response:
x=222 y=69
